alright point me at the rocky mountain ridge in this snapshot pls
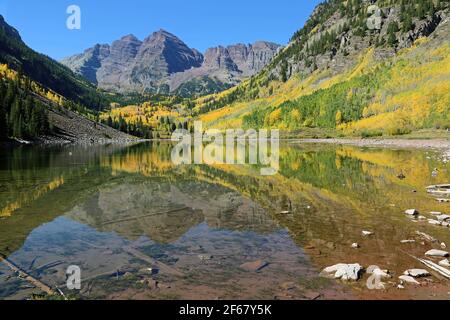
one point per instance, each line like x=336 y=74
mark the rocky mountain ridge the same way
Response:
x=163 y=63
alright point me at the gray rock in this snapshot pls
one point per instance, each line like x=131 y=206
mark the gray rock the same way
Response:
x=443 y=217
x=412 y=212
x=434 y=222
x=346 y=272
x=437 y=253
x=417 y=273
x=444 y=263
x=408 y=279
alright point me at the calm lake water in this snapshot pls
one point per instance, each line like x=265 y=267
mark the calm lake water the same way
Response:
x=118 y=211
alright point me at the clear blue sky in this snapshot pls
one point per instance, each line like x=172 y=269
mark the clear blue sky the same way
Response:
x=199 y=23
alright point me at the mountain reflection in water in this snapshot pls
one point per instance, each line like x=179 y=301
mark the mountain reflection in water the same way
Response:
x=86 y=205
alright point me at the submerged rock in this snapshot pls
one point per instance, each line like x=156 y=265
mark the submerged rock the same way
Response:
x=205 y=257
x=346 y=272
x=437 y=253
x=257 y=265
x=416 y=273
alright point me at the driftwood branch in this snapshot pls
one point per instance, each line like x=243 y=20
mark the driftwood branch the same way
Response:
x=23 y=274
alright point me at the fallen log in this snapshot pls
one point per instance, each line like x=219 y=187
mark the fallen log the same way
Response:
x=23 y=274
x=433 y=266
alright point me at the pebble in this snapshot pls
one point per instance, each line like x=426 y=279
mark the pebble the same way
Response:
x=400 y=287
x=408 y=241
x=443 y=245
x=355 y=246
x=367 y=233
x=408 y=279
x=205 y=257
x=416 y=273
x=435 y=213
x=445 y=263
x=437 y=253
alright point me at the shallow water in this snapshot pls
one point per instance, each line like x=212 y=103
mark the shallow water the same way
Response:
x=116 y=211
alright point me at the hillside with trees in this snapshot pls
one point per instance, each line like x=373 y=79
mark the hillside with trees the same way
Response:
x=356 y=68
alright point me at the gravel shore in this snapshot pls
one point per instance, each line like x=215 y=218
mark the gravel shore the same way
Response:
x=439 y=144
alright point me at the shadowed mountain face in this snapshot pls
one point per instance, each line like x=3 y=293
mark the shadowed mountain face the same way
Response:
x=8 y=30
x=164 y=63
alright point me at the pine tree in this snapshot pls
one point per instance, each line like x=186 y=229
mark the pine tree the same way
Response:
x=3 y=123
x=407 y=24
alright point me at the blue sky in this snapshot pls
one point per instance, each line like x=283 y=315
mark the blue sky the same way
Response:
x=199 y=23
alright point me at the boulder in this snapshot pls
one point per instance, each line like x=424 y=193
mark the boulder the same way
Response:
x=416 y=273
x=443 y=217
x=408 y=279
x=434 y=222
x=412 y=212
x=437 y=253
x=346 y=272
x=382 y=274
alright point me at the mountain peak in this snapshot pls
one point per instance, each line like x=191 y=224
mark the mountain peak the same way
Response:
x=129 y=37
x=129 y=63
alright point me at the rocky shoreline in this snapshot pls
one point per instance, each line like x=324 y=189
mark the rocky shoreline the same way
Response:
x=438 y=144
